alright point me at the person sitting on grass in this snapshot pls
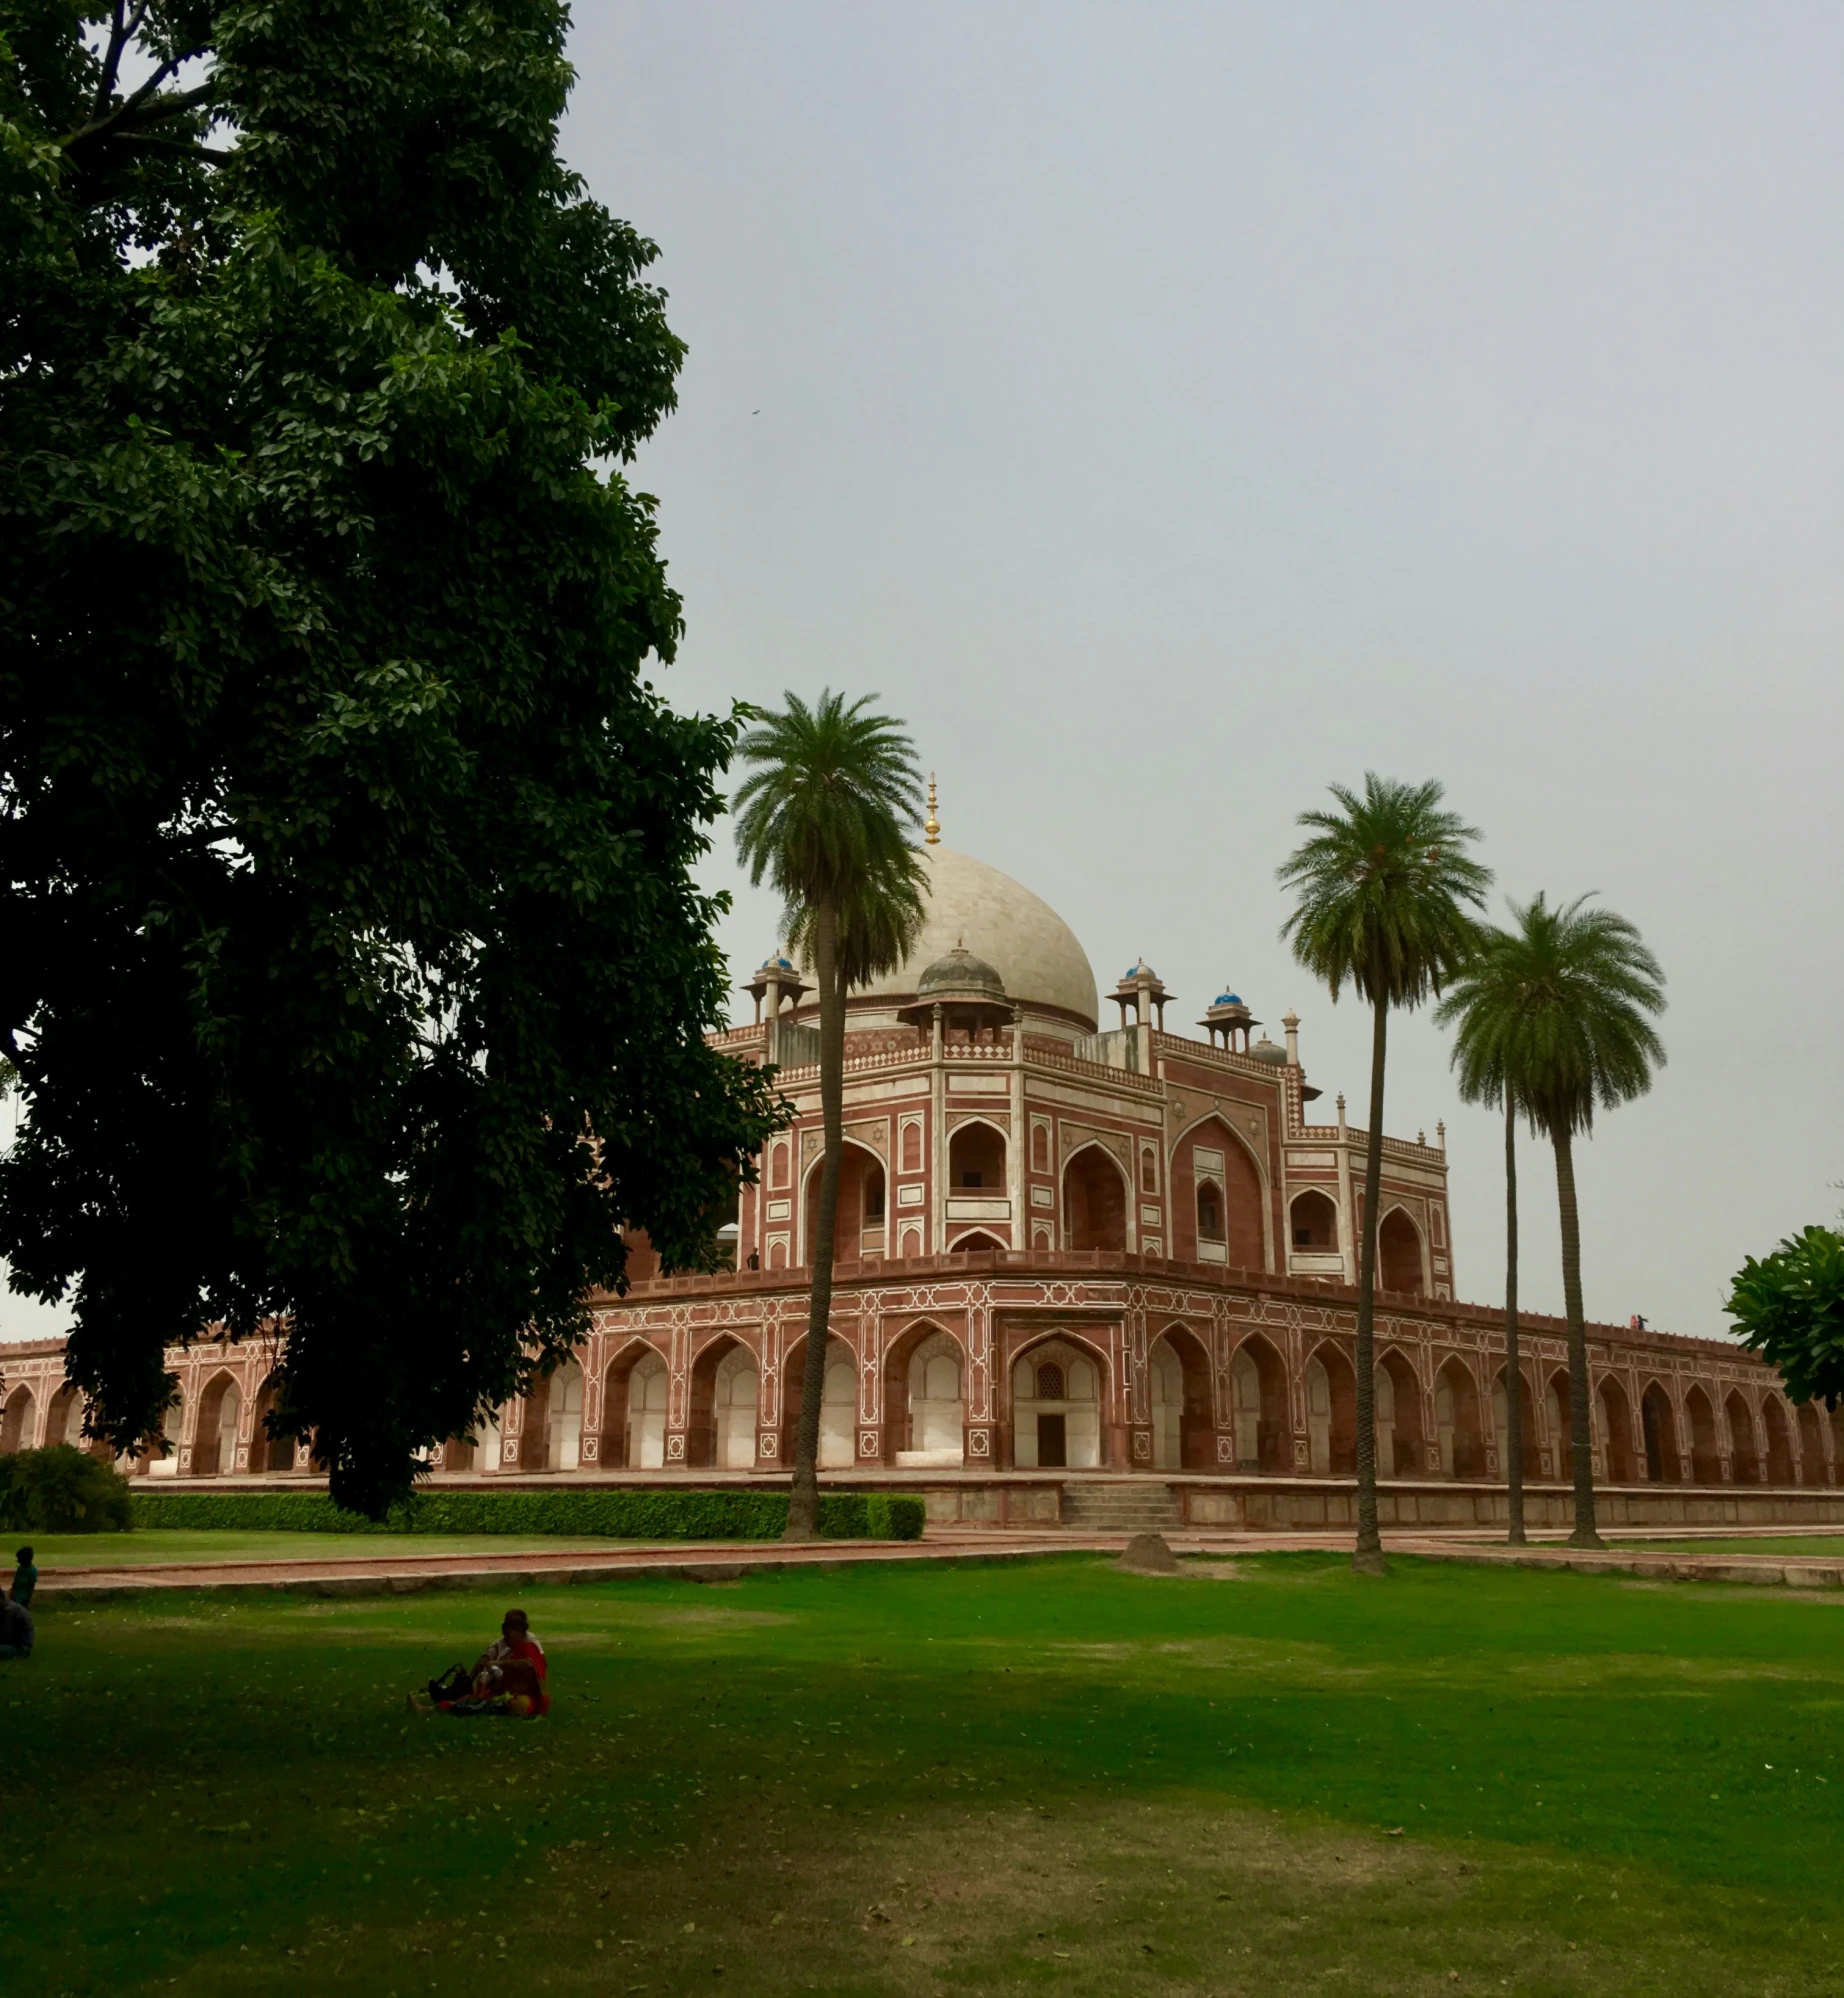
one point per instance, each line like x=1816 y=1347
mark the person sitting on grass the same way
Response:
x=507 y=1682
x=25 y=1578
x=15 y=1630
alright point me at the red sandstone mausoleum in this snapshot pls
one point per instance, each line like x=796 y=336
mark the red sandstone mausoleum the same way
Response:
x=1095 y=1273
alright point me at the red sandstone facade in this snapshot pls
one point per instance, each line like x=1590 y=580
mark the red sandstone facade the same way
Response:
x=1062 y=1251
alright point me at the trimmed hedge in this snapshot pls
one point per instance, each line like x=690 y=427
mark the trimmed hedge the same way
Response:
x=615 y=1515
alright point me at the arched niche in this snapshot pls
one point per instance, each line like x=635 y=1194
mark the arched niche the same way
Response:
x=269 y=1453
x=1218 y=1198
x=1744 y=1453
x=1313 y=1223
x=1456 y=1416
x=1094 y=1201
x=1613 y=1417
x=1561 y=1419
x=64 y=1418
x=1396 y=1401
x=862 y=1211
x=1811 y=1446
x=975 y=1242
x=976 y=1158
x=1659 y=1436
x=838 y=1441
x=16 y=1424
x=1532 y=1465
x=1331 y=1412
x=1056 y=1406
x=1258 y=1400
x=925 y=1398
x=1705 y=1440
x=1399 y=1263
x=1779 y=1439
x=648 y=1386
x=214 y=1442
x=726 y=1393
x=1178 y=1390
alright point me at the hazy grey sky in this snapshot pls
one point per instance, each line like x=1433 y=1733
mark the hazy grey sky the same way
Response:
x=1172 y=410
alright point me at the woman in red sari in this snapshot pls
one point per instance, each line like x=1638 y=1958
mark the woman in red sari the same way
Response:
x=509 y=1680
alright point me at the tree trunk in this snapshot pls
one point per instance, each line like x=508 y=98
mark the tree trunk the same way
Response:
x=1514 y=1379
x=1367 y=1558
x=1581 y=1434
x=804 y=1498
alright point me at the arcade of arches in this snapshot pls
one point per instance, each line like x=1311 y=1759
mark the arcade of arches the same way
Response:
x=1009 y=1389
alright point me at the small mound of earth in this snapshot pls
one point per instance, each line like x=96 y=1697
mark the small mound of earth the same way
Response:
x=1147 y=1554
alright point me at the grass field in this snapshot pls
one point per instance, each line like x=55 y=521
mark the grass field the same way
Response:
x=1046 y=1777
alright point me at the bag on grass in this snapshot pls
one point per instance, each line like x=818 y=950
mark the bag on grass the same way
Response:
x=454 y=1684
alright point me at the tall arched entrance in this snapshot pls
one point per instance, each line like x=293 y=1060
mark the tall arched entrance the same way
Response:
x=859 y=1218
x=1744 y=1457
x=925 y=1398
x=1258 y=1395
x=1811 y=1446
x=1396 y=1397
x=1456 y=1413
x=1399 y=1254
x=1661 y=1436
x=726 y=1388
x=1178 y=1387
x=838 y=1442
x=1779 y=1442
x=1705 y=1448
x=214 y=1444
x=1331 y=1413
x=1532 y=1465
x=1056 y=1408
x=1613 y=1417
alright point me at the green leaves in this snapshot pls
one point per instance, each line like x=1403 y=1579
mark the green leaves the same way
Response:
x=1789 y=1308
x=1385 y=889
x=357 y=977
x=1555 y=1010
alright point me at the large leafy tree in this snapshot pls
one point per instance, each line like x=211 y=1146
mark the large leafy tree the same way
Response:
x=1385 y=886
x=827 y=816
x=355 y=974
x=1564 y=1008
x=1789 y=1307
x=1487 y=1004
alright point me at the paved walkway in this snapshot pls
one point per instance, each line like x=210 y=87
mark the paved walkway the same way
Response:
x=382 y=1574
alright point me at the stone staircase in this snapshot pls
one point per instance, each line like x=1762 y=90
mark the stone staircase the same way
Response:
x=1119 y=1505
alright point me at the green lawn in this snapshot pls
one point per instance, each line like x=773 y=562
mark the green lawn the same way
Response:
x=1041 y=1777
x=151 y=1546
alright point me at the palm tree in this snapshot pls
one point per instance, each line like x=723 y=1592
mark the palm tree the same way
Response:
x=1383 y=888
x=827 y=815
x=1561 y=1014
x=1486 y=1004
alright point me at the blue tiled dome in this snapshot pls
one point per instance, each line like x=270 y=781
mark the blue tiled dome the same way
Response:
x=1227 y=999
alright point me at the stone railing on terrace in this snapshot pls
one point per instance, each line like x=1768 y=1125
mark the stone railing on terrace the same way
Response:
x=809 y=1072
x=1216 y=1057
x=736 y=1037
x=1093 y=1071
x=1404 y=1150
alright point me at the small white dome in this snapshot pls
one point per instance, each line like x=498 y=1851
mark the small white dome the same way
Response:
x=996 y=918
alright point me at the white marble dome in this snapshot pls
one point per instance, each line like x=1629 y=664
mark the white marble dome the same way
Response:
x=1030 y=946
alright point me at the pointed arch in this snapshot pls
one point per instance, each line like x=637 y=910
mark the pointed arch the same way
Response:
x=726 y=1391
x=838 y=1404
x=1778 y=1435
x=1659 y=1434
x=1178 y=1387
x=1705 y=1443
x=64 y=1417
x=975 y=1242
x=1210 y=1153
x=863 y=1208
x=1258 y=1398
x=1744 y=1454
x=1613 y=1418
x=1811 y=1446
x=1531 y=1451
x=269 y=1453
x=1456 y=1415
x=616 y=1438
x=214 y=1441
x=925 y=1396
x=1331 y=1411
x=977 y=1153
x=1095 y=1194
x=1401 y=1257
x=1397 y=1405
x=19 y=1422
x=1060 y=1391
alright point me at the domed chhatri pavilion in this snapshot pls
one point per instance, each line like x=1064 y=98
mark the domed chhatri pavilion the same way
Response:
x=1082 y=1264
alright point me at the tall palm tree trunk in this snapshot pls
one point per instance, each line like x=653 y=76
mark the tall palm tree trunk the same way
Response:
x=1514 y=1379
x=804 y=1499
x=1367 y=1558
x=1581 y=1434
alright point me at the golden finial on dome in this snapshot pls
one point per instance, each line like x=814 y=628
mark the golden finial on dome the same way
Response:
x=931 y=827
